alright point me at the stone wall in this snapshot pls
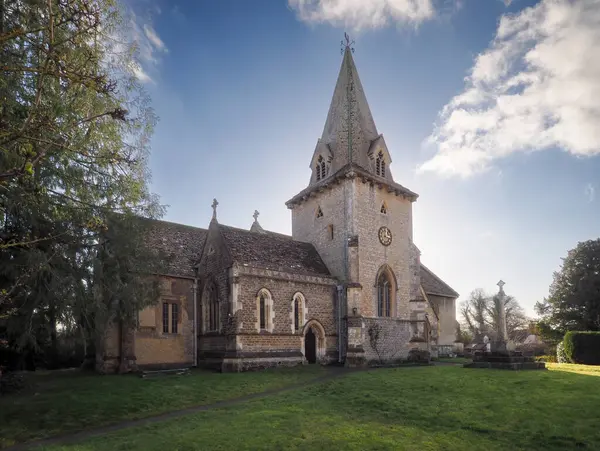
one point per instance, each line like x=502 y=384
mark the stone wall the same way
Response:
x=319 y=306
x=366 y=220
x=153 y=347
x=390 y=340
x=281 y=344
x=308 y=228
x=146 y=345
x=353 y=208
x=447 y=319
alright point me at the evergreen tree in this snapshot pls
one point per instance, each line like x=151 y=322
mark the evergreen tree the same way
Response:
x=573 y=302
x=74 y=135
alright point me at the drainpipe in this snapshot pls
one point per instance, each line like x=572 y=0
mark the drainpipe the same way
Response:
x=339 y=305
x=195 y=319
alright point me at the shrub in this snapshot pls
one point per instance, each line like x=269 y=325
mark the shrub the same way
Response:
x=11 y=382
x=561 y=357
x=582 y=347
x=417 y=355
x=547 y=358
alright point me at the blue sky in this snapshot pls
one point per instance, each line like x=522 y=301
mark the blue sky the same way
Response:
x=489 y=109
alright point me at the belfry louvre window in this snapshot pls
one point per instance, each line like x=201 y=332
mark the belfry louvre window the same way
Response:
x=380 y=165
x=384 y=295
x=321 y=168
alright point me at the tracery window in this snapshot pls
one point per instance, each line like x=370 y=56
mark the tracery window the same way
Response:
x=384 y=295
x=380 y=164
x=383 y=208
x=319 y=212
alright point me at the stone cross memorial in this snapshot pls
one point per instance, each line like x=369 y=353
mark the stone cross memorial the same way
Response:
x=500 y=357
x=501 y=333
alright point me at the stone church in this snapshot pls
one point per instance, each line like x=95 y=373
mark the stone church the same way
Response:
x=347 y=287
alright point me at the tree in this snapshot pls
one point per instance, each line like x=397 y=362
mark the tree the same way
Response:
x=480 y=313
x=573 y=302
x=463 y=336
x=74 y=142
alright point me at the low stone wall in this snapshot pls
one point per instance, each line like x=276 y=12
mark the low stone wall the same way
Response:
x=389 y=340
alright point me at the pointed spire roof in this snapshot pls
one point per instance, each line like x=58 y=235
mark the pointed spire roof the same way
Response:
x=349 y=129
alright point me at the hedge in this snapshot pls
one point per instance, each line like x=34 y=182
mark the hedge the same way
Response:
x=582 y=347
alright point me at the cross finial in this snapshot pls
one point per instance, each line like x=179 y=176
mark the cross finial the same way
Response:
x=348 y=44
x=501 y=285
x=214 y=207
x=255 y=215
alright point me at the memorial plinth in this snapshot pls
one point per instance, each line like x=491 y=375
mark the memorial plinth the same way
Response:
x=509 y=360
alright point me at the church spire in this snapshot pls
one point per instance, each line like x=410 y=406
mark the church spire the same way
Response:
x=349 y=129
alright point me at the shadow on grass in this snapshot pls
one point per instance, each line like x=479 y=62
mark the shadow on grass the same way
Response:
x=435 y=408
x=71 y=401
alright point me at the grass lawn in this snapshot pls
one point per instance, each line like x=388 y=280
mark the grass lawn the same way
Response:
x=419 y=408
x=61 y=402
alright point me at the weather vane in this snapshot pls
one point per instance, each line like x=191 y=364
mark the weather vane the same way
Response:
x=347 y=44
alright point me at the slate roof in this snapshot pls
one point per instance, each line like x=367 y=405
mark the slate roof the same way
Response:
x=432 y=284
x=181 y=244
x=273 y=251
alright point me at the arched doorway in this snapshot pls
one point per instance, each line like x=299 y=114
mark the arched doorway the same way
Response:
x=310 y=346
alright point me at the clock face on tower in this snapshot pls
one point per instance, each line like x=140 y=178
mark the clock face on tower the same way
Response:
x=385 y=236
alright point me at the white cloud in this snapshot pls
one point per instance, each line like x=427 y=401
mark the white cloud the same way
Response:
x=141 y=74
x=536 y=87
x=154 y=39
x=360 y=14
x=590 y=192
x=150 y=46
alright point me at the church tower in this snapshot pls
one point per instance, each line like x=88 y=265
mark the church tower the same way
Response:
x=354 y=213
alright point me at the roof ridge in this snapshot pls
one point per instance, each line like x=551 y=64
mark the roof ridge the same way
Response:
x=268 y=232
x=175 y=223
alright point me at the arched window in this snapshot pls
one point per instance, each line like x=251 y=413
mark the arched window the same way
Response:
x=380 y=164
x=298 y=312
x=319 y=212
x=213 y=308
x=384 y=295
x=210 y=309
x=265 y=314
x=320 y=168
